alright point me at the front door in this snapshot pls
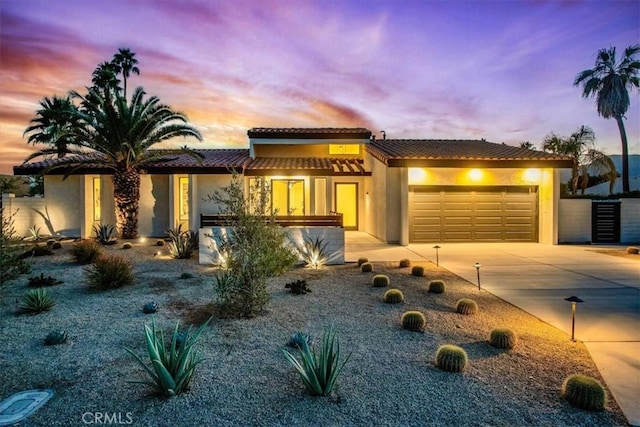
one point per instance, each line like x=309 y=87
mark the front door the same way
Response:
x=347 y=204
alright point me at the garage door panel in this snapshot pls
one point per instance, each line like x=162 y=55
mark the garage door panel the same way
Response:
x=437 y=214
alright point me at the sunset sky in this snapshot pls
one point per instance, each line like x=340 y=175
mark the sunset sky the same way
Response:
x=500 y=70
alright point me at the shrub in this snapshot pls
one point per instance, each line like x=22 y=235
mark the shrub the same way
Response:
x=633 y=250
x=109 y=272
x=86 y=251
x=503 y=338
x=297 y=338
x=36 y=251
x=404 y=263
x=56 y=337
x=160 y=242
x=41 y=280
x=172 y=366
x=36 y=301
x=362 y=261
x=451 y=358
x=11 y=263
x=380 y=281
x=467 y=306
x=584 y=392
x=182 y=244
x=366 y=267
x=414 y=321
x=417 y=270
x=56 y=245
x=257 y=248
x=319 y=370
x=105 y=234
x=299 y=287
x=150 y=307
x=127 y=245
x=314 y=252
x=393 y=296
x=437 y=286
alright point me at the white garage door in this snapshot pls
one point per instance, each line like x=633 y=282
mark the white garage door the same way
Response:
x=479 y=214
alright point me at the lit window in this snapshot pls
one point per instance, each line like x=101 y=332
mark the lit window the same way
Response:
x=344 y=149
x=97 y=210
x=183 y=185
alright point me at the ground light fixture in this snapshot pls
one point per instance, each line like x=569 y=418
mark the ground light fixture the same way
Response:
x=573 y=300
x=477 y=266
x=436 y=247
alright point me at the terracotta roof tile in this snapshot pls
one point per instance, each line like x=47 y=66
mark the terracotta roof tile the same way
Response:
x=404 y=152
x=306 y=165
x=310 y=133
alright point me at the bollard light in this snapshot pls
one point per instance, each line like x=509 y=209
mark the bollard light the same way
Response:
x=477 y=265
x=436 y=247
x=573 y=300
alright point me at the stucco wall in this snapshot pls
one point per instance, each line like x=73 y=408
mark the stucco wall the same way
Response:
x=209 y=239
x=376 y=201
x=300 y=150
x=574 y=221
x=630 y=221
x=153 y=217
x=25 y=215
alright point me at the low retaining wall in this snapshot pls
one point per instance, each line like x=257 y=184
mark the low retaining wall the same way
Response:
x=333 y=236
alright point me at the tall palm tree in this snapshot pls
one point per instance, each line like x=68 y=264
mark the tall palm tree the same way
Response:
x=105 y=77
x=600 y=164
x=53 y=123
x=106 y=131
x=610 y=81
x=125 y=63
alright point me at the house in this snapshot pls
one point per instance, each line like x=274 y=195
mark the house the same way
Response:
x=400 y=191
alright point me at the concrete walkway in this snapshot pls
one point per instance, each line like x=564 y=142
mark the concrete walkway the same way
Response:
x=537 y=278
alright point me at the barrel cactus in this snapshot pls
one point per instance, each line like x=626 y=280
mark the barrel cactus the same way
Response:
x=503 y=338
x=584 y=392
x=150 y=307
x=414 y=321
x=437 y=286
x=404 y=263
x=417 y=270
x=393 y=296
x=55 y=338
x=380 y=281
x=362 y=261
x=467 y=306
x=451 y=358
x=160 y=242
x=366 y=267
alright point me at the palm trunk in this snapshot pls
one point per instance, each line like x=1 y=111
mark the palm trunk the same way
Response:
x=625 y=155
x=126 y=192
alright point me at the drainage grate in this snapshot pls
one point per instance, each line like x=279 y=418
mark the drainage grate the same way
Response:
x=19 y=406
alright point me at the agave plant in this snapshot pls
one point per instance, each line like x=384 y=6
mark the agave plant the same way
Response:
x=56 y=337
x=319 y=370
x=36 y=301
x=105 y=234
x=172 y=365
x=182 y=244
x=314 y=252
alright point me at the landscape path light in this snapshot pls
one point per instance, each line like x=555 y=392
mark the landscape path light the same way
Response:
x=477 y=265
x=436 y=247
x=573 y=300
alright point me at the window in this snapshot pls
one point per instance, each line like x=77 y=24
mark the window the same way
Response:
x=287 y=196
x=320 y=196
x=183 y=198
x=97 y=210
x=344 y=149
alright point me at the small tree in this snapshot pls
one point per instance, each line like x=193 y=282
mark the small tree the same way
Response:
x=256 y=247
x=10 y=263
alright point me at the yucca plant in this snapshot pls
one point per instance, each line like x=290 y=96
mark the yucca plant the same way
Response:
x=105 y=234
x=172 y=365
x=314 y=252
x=319 y=370
x=182 y=244
x=36 y=301
x=86 y=251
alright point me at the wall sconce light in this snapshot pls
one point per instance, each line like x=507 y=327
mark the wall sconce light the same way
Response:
x=573 y=300
x=532 y=175
x=436 y=247
x=477 y=265
x=475 y=174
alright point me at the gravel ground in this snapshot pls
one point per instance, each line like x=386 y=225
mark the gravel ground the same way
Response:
x=245 y=380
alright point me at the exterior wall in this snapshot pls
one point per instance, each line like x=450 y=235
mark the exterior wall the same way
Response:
x=375 y=206
x=209 y=240
x=574 y=221
x=300 y=150
x=203 y=186
x=630 y=221
x=153 y=216
x=25 y=215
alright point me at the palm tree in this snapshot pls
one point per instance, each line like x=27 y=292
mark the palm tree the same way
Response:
x=610 y=81
x=105 y=77
x=125 y=63
x=600 y=164
x=53 y=123
x=105 y=131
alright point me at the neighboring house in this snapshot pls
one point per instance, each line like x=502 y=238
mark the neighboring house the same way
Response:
x=400 y=191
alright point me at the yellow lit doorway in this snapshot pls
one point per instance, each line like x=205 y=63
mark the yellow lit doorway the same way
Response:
x=287 y=196
x=347 y=204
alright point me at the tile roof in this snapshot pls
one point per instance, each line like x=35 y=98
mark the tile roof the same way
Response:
x=310 y=133
x=214 y=161
x=306 y=166
x=438 y=152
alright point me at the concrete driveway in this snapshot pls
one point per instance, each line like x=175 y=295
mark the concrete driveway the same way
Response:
x=537 y=278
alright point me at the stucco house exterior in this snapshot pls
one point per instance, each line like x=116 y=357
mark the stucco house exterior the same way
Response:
x=400 y=191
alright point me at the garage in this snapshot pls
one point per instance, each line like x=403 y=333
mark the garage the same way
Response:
x=473 y=214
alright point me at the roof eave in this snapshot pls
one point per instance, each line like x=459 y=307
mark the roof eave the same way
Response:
x=479 y=163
